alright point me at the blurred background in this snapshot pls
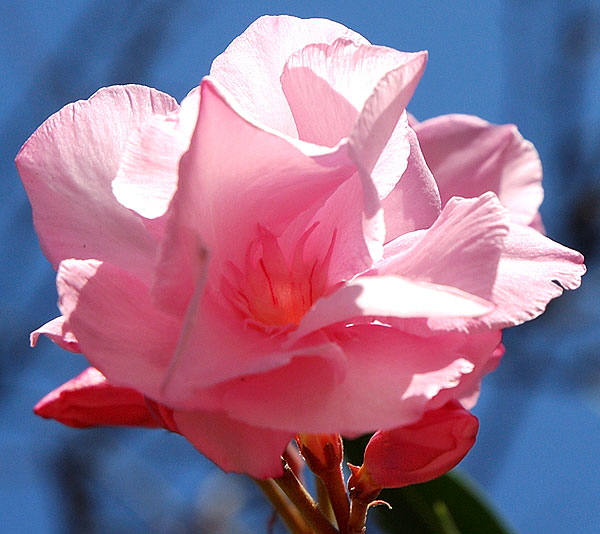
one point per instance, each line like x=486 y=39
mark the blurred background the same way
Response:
x=535 y=63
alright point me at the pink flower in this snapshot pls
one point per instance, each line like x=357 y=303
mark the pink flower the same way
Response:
x=275 y=256
x=415 y=453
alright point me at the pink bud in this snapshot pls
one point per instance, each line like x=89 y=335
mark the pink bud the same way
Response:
x=423 y=450
x=90 y=400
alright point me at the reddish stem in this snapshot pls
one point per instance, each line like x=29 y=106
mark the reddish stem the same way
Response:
x=304 y=502
x=287 y=511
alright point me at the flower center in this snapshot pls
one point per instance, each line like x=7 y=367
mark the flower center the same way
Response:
x=275 y=291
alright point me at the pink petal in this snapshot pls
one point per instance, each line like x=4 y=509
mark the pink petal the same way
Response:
x=253 y=63
x=519 y=272
x=389 y=296
x=537 y=224
x=327 y=86
x=391 y=376
x=233 y=445
x=412 y=121
x=380 y=116
x=300 y=383
x=181 y=270
x=355 y=249
x=414 y=203
x=461 y=250
x=469 y=156
x=467 y=392
x=532 y=271
x=67 y=167
x=383 y=109
x=58 y=331
x=235 y=177
x=149 y=167
x=421 y=451
x=242 y=351
x=321 y=113
x=90 y=400
x=117 y=327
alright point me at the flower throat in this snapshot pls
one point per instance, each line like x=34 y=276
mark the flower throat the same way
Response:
x=273 y=291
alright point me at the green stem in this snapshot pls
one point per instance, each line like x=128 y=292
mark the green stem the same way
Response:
x=304 y=502
x=287 y=511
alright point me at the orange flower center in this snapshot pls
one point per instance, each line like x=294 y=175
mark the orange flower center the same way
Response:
x=275 y=291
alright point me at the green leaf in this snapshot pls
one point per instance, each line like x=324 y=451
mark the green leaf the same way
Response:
x=448 y=505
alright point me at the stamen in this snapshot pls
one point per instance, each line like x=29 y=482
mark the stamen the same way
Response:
x=272 y=291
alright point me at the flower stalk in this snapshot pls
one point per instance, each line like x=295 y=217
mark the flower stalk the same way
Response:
x=306 y=505
x=289 y=514
x=358 y=517
x=363 y=495
x=336 y=490
x=323 y=500
x=324 y=454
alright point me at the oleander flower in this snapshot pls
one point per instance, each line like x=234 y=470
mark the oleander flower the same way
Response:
x=287 y=251
x=416 y=453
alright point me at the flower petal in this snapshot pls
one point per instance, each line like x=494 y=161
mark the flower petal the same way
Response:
x=235 y=446
x=391 y=377
x=58 y=331
x=383 y=109
x=383 y=112
x=532 y=271
x=242 y=351
x=389 y=296
x=90 y=400
x=467 y=392
x=253 y=63
x=354 y=250
x=149 y=167
x=67 y=166
x=321 y=113
x=461 y=250
x=469 y=156
x=116 y=325
x=236 y=176
x=414 y=203
x=327 y=85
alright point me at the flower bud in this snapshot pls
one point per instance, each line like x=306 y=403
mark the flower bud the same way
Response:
x=322 y=452
x=90 y=400
x=421 y=451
